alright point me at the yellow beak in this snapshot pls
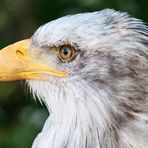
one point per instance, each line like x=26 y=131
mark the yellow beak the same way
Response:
x=16 y=63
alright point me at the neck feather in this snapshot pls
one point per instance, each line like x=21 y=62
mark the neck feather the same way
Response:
x=77 y=118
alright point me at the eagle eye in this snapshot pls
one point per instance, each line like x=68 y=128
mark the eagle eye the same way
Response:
x=66 y=53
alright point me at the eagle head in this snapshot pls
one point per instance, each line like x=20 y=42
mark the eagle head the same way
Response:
x=91 y=71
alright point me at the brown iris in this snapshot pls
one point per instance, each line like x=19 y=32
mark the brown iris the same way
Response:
x=66 y=53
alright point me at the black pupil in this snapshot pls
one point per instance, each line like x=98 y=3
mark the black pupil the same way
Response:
x=65 y=51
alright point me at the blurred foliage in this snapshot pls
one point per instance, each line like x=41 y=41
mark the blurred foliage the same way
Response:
x=21 y=118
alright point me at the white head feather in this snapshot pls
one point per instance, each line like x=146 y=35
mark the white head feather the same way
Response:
x=97 y=105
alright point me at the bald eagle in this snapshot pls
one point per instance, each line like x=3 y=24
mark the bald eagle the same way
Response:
x=91 y=71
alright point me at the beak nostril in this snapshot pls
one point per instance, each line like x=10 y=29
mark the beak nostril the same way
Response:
x=20 y=54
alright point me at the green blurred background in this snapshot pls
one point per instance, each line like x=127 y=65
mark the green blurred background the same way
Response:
x=21 y=117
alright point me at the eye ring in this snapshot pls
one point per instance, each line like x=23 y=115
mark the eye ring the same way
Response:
x=66 y=53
